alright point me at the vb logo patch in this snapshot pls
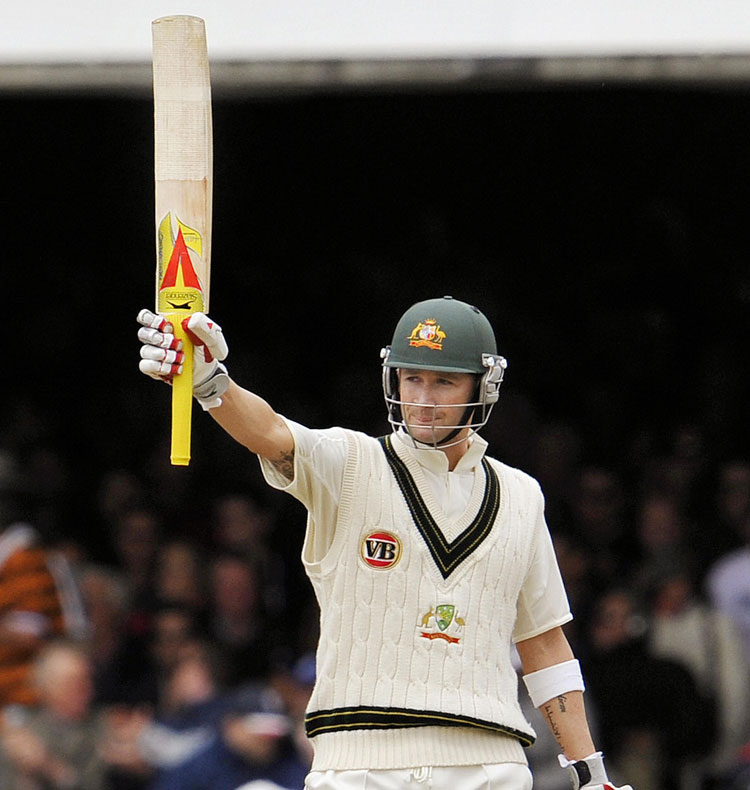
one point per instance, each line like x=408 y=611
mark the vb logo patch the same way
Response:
x=381 y=550
x=442 y=622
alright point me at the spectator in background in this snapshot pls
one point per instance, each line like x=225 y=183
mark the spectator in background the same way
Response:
x=174 y=629
x=52 y=494
x=600 y=523
x=190 y=707
x=651 y=716
x=31 y=609
x=728 y=576
x=135 y=690
x=237 y=620
x=728 y=585
x=724 y=525
x=144 y=744
x=105 y=601
x=143 y=663
x=180 y=574
x=242 y=526
x=252 y=744
x=57 y=744
x=295 y=687
x=733 y=497
x=557 y=457
x=136 y=537
x=663 y=541
x=680 y=471
x=65 y=560
x=575 y=563
x=118 y=492
x=685 y=629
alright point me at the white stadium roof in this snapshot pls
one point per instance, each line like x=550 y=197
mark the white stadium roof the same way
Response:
x=45 y=44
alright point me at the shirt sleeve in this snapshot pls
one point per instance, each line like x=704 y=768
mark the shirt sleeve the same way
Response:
x=543 y=602
x=319 y=460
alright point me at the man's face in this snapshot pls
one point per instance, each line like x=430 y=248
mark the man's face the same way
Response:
x=433 y=402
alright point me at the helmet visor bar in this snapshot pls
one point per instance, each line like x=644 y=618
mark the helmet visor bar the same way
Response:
x=475 y=414
x=428 y=425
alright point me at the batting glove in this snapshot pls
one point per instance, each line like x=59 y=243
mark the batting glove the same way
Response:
x=589 y=773
x=162 y=355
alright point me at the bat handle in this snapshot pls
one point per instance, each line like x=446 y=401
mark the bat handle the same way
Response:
x=182 y=398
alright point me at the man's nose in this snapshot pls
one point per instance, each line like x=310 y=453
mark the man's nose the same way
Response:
x=424 y=396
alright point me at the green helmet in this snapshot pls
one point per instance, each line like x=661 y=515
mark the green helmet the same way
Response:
x=450 y=335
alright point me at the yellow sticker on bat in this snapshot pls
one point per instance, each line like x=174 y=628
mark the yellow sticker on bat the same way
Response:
x=180 y=288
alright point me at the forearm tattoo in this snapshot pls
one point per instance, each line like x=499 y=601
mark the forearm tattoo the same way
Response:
x=551 y=723
x=550 y=708
x=284 y=464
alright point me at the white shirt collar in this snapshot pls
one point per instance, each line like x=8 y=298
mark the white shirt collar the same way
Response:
x=436 y=460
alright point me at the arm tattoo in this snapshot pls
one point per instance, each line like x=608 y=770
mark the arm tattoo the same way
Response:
x=284 y=464
x=551 y=723
x=550 y=710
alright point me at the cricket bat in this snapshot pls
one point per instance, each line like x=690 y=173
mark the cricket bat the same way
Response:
x=183 y=177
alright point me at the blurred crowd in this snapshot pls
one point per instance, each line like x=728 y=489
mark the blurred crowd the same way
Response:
x=656 y=560
x=147 y=650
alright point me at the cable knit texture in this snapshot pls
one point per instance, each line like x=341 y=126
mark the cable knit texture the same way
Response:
x=398 y=640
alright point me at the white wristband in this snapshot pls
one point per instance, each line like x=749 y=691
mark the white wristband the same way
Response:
x=550 y=682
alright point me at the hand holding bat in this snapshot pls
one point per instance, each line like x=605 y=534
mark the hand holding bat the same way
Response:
x=162 y=354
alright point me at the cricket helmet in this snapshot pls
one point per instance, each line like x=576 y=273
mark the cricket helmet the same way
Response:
x=445 y=335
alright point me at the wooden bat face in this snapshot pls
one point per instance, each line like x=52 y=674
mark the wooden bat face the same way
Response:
x=183 y=155
x=183 y=176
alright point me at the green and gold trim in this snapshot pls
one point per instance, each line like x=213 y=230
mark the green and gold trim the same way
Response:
x=374 y=718
x=446 y=554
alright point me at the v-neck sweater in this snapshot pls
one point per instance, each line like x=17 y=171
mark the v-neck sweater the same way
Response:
x=417 y=620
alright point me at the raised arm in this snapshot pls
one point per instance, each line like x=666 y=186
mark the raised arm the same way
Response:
x=246 y=417
x=250 y=420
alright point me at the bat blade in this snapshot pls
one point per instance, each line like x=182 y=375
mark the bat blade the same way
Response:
x=183 y=178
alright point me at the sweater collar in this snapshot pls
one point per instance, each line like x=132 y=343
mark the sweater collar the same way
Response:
x=435 y=460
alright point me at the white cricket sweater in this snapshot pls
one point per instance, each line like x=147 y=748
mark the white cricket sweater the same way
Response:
x=414 y=660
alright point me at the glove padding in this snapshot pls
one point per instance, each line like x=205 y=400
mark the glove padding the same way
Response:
x=162 y=355
x=589 y=773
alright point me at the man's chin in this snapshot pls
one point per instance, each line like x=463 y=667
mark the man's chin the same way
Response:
x=426 y=434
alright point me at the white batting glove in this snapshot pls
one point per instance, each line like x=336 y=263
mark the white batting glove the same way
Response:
x=210 y=377
x=589 y=773
x=162 y=354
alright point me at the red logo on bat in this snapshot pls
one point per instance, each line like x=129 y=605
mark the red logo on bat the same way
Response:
x=180 y=259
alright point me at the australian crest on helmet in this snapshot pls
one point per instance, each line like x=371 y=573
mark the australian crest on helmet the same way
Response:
x=427 y=333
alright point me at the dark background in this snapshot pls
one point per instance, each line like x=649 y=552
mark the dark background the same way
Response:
x=604 y=231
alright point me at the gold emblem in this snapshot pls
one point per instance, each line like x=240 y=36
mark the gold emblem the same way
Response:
x=427 y=333
x=446 y=619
